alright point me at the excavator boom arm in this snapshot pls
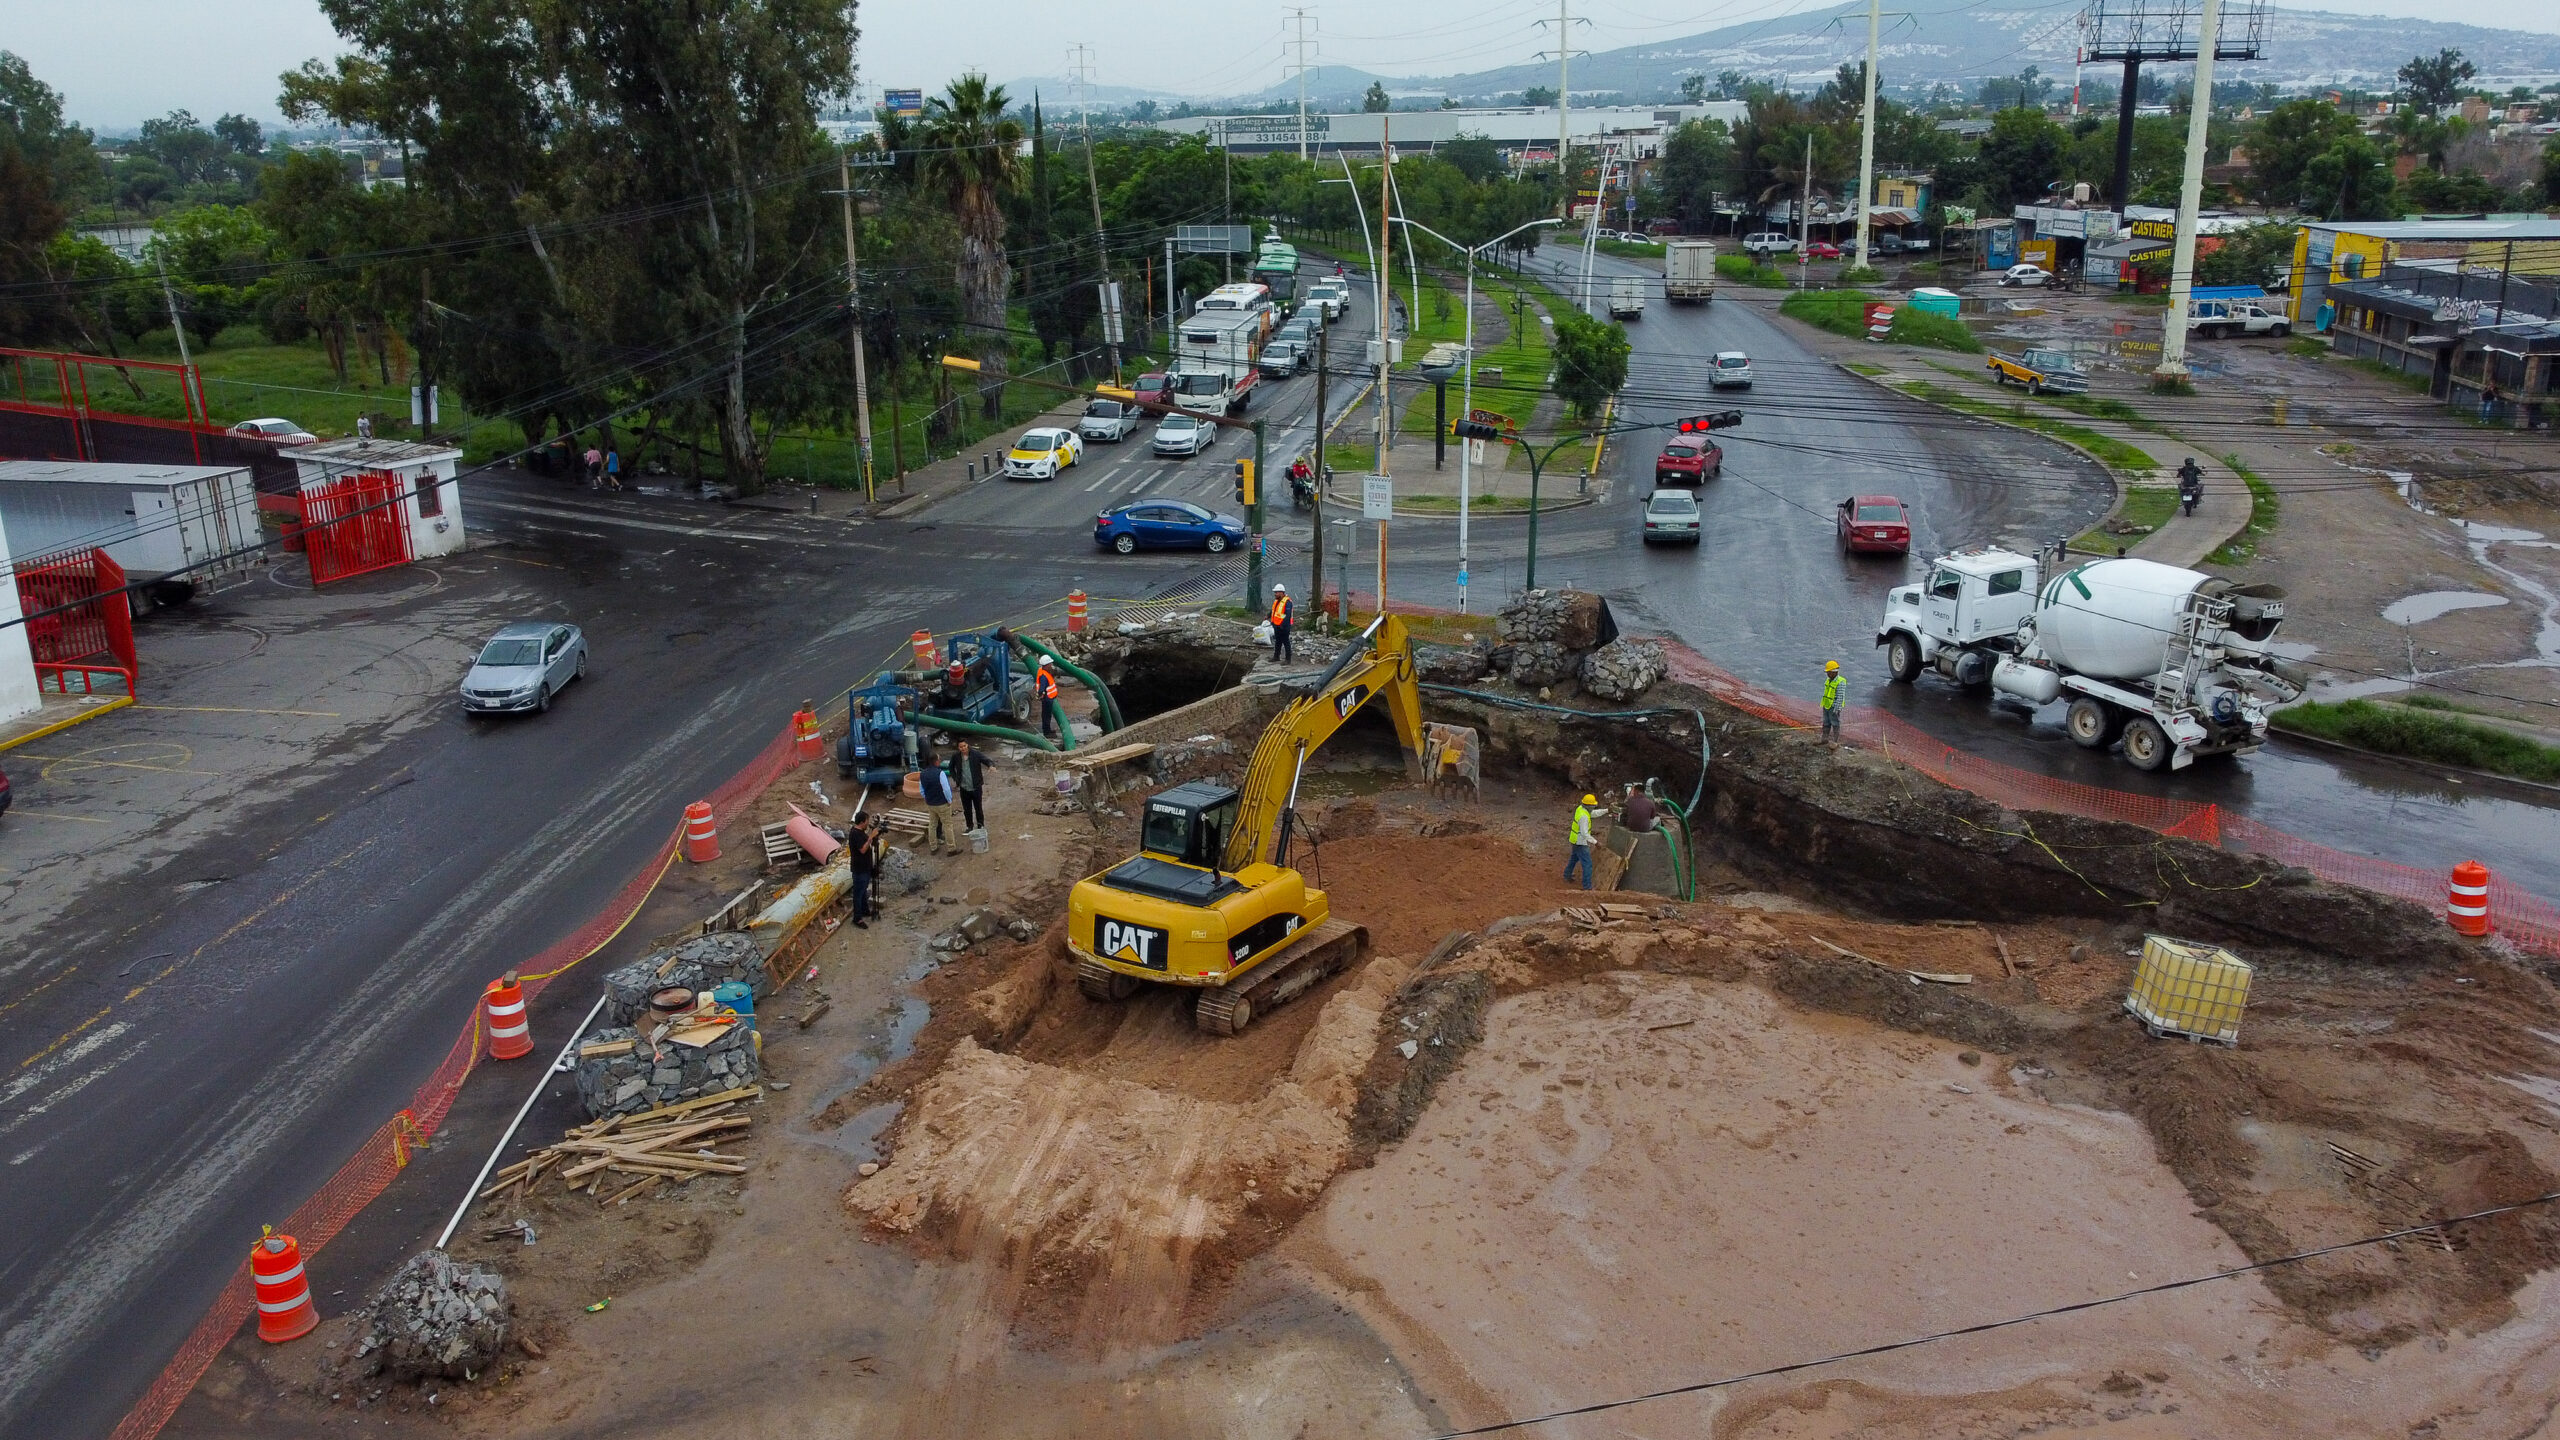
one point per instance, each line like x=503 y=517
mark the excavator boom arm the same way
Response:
x=1379 y=664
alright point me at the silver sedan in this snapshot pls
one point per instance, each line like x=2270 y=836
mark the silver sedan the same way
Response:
x=523 y=666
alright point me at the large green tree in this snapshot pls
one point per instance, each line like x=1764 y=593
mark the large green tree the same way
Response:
x=2434 y=81
x=2285 y=143
x=2021 y=157
x=1591 y=361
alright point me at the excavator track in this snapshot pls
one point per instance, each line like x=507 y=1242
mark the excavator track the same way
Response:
x=1326 y=950
x=1101 y=982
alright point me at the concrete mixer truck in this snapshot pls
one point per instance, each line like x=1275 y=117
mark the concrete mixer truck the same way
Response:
x=2175 y=663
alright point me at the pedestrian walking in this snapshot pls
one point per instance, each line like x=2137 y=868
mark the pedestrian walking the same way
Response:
x=1579 y=837
x=1281 y=611
x=936 y=790
x=1830 y=702
x=969 y=777
x=2190 y=484
x=613 y=469
x=1044 y=688
x=595 y=468
x=863 y=845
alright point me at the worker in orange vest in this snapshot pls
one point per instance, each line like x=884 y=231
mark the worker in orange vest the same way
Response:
x=1045 y=687
x=1280 y=612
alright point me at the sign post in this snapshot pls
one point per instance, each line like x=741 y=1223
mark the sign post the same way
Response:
x=1378 y=502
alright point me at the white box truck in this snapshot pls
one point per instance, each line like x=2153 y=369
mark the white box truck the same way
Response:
x=187 y=528
x=1689 y=271
x=1626 y=298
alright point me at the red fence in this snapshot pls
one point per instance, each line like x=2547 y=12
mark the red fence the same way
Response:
x=382 y=1157
x=353 y=525
x=91 y=641
x=48 y=412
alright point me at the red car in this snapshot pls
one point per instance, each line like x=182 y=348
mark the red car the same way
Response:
x=1822 y=250
x=1154 y=389
x=1688 y=462
x=1875 y=524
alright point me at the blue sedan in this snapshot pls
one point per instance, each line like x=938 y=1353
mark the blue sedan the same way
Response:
x=1165 y=525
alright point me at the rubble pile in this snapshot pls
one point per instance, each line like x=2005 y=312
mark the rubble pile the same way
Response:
x=618 y=1079
x=904 y=872
x=1622 y=669
x=436 y=1317
x=1452 y=664
x=695 y=964
x=1570 y=618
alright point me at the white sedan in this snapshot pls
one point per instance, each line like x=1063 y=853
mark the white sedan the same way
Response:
x=2026 y=275
x=276 y=431
x=1040 y=454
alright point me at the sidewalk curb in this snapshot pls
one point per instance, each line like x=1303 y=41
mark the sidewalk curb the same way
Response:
x=58 y=726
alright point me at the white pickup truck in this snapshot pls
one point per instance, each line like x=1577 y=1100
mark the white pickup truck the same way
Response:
x=2214 y=319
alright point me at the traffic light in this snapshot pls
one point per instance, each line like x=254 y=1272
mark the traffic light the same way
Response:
x=1721 y=420
x=1474 y=430
x=1244 y=482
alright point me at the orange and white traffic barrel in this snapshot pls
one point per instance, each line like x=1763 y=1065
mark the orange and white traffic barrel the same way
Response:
x=510 y=1034
x=2466 y=907
x=701 y=833
x=804 y=732
x=921 y=642
x=285 y=1311
x=1075 y=612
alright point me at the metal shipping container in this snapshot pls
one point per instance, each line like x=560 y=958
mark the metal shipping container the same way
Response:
x=195 y=524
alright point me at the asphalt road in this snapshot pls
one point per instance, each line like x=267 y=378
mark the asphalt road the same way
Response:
x=198 y=1047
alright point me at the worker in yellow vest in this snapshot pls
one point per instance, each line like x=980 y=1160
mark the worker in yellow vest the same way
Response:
x=1830 y=702
x=1281 y=610
x=1580 y=839
x=1044 y=688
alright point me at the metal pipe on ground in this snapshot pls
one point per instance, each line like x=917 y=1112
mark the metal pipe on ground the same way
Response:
x=971 y=727
x=1108 y=706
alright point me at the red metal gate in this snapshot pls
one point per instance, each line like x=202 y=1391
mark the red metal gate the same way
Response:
x=354 y=525
x=92 y=641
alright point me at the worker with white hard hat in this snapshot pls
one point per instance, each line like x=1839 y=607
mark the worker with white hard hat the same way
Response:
x=1579 y=837
x=1281 y=611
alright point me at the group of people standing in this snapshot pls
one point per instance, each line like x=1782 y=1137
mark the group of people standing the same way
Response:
x=961 y=780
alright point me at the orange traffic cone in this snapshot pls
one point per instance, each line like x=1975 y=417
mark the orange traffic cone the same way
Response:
x=701 y=833
x=510 y=1034
x=284 y=1296
x=804 y=731
x=2466 y=905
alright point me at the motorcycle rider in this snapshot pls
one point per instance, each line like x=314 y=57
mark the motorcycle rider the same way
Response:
x=2190 y=484
x=1302 y=482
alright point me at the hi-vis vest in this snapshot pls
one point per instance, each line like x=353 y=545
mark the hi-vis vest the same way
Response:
x=1831 y=693
x=1280 y=609
x=1048 y=684
x=1580 y=834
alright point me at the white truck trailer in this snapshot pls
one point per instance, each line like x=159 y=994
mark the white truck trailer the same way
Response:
x=1689 y=271
x=2175 y=663
x=1626 y=298
x=1215 y=361
x=184 y=528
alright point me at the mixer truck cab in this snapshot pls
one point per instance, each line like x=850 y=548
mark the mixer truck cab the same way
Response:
x=1959 y=620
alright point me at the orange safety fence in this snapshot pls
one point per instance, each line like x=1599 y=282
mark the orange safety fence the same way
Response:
x=385 y=1153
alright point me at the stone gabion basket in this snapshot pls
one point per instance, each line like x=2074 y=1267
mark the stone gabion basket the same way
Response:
x=646 y=1076
x=697 y=964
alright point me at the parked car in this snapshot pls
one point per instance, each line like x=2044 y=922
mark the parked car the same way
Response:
x=1664 y=226
x=2026 y=275
x=1109 y=420
x=1822 y=250
x=1730 y=370
x=1282 y=359
x=1671 y=515
x=523 y=666
x=1153 y=388
x=1885 y=245
x=1043 y=454
x=277 y=431
x=1183 y=435
x=1688 y=462
x=1874 y=524
x=1166 y=525
x=1761 y=244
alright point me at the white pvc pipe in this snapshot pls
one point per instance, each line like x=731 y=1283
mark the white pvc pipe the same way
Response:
x=472 y=1195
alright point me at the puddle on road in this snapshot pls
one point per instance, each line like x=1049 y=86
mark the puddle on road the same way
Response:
x=891 y=1036
x=2432 y=604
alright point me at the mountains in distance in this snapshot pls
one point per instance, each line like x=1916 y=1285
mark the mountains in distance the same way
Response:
x=1958 y=45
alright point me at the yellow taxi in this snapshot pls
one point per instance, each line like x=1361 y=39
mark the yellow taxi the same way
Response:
x=1040 y=454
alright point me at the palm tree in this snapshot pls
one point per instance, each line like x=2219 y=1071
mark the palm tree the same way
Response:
x=971 y=160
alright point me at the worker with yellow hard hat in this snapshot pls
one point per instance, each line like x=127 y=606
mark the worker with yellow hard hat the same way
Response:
x=1580 y=839
x=1830 y=702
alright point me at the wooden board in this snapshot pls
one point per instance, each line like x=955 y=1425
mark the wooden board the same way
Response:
x=1088 y=759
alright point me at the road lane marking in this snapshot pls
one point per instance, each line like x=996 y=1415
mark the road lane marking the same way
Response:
x=51 y=815
x=634 y=523
x=49 y=984
x=240 y=710
x=65 y=1038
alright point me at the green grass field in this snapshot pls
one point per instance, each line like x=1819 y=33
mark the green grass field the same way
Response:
x=2146 y=505
x=2422 y=735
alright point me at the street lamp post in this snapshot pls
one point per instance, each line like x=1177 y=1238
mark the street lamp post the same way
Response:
x=1467 y=390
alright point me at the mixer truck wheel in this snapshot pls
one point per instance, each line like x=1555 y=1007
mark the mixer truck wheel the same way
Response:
x=1902 y=657
x=2093 y=723
x=2146 y=745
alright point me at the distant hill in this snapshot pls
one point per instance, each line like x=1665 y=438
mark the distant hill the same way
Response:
x=1965 y=43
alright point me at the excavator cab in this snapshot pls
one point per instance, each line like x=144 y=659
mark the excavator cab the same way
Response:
x=1182 y=846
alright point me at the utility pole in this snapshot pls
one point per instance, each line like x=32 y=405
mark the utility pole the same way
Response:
x=1804 y=213
x=1564 y=101
x=1867 y=134
x=853 y=326
x=1315 y=549
x=1385 y=257
x=185 y=365
x=1172 y=321
x=2182 y=251
x=1253 y=529
x=1299 y=18
x=1082 y=58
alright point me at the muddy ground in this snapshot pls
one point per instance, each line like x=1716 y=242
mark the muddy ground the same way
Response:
x=1514 y=1163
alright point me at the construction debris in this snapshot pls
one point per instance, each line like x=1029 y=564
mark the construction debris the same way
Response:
x=437 y=1317
x=1622 y=669
x=695 y=964
x=621 y=1071
x=670 y=1142
x=1933 y=976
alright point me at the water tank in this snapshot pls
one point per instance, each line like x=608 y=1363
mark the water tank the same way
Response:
x=2112 y=619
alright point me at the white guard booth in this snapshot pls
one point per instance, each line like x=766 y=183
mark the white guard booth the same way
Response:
x=433 y=508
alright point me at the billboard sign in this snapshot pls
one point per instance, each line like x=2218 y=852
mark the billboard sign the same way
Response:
x=905 y=104
x=1213 y=239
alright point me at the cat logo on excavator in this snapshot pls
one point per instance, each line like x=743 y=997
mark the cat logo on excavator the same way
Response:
x=1136 y=944
x=1349 y=700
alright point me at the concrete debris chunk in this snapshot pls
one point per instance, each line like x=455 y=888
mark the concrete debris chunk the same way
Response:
x=1453 y=664
x=437 y=1318
x=904 y=872
x=980 y=925
x=1622 y=669
x=1022 y=930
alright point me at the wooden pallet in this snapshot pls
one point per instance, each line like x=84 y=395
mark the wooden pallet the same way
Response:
x=779 y=848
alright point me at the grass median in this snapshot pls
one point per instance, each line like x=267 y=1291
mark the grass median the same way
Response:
x=1844 y=312
x=2116 y=454
x=2423 y=734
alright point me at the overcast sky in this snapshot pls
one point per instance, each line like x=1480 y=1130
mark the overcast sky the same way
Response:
x=119 y=62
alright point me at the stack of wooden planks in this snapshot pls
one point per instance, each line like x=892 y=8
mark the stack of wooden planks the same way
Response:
x=672 y=1142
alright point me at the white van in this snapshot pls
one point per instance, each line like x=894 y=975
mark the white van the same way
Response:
x=1761 y=244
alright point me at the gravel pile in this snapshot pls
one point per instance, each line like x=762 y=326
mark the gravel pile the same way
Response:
x=436 y=1318
x=1622 y=669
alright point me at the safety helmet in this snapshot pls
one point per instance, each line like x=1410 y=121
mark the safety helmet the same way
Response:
x=1590 y=799
x=1832 y=666
x=1279 y=589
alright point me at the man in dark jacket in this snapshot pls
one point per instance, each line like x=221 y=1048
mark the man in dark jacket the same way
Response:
x=863 y=845
x=936 y=788
x=969 y=777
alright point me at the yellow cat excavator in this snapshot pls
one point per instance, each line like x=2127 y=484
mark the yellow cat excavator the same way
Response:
x=1210 y=899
